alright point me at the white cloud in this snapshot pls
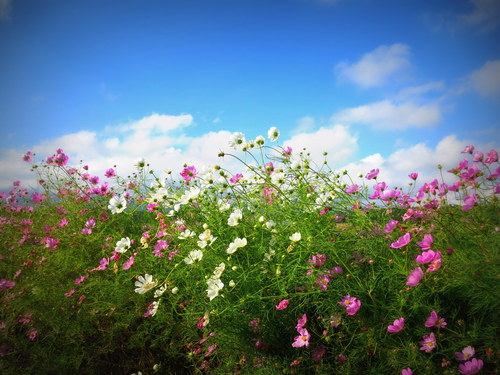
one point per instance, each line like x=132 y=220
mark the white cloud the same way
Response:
x=417 y=91
x=486 y=80
x=419 y=158
x=336 y=140
x=386 y=114
x=5 y=9
x=156 y=138
x=485 y=16
x=304 y=124
x=377 y=67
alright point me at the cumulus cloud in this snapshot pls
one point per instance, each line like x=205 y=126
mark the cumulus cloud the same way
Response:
x=420 y=158
x=5 y=9
x=337 y=140
x=377 y=67
x=485 y=15
x=159 y=139
x=486 y=80
x=389 y=115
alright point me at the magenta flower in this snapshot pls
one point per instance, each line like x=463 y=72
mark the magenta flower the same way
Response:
x=317 y=260
x=302 y=339
x=32 y=334
x=478 y=156
x=471 y=367
x=318 y=353
x=372 y=174
x=415 y=277
x=110 y=173
x=468 y=150
x=469 y=202
x=466 y=353
x=236 y=178
x=335 y=320
x=428 y=343
x=188 y=173
x=492 y=157
x=301 y=322
x=426 y=257
x=38 y=198
x=128 y=263
x=322 y=281
x=401 y=241
x=352 y=189
x=282 y=305
x=390 y=226
x=352 y=304
x=435 y=263
x=406 y=371
x=6 y=284
x=435 y=321
x=287 y=152
x=413 y=175
x=426 y=242
x=397 y=326
x=28 y=157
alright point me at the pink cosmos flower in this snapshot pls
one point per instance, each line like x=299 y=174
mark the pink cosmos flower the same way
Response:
x=435 y=263
x=471 y=367
x=80 y=280
x=189 y=173
x=110 y=173
x=413 y=175
x=372 y=174
x=426 y=242
x=352 y=189
x=317 y=260
x=492 y=157
x=390 y=226
x=322 y=281
x=406 y=371
x=236 y=178
x=287 y=152
x=70 y=293
x=469 y=202
x=397 y=326
x=318 y=353
x=32 y=334
x=302 y=339
x=28 y=157
x=38 y=198
x=335 y=320
x=415 y=277
x=466 y=353
x=301 y=322
x=352 y=304
x=427 y=256
x=428 y=343
x=6 y=284
x=282 y=305
x=435 y=321
x=128 y=263
x=478 y=156
x=401 y=241
x=468 y=150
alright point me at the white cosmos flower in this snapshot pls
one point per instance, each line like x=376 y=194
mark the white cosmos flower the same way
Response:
x=260 y=141
x=278 y=179
x=273 y=133
x=237 y=141
x=145 y=283
x=195 y=255
x=186 y=234
x=123 y=245
x=214 y=286
x=159 y=292
x=296 y=237
x=235 y=218
x=154 y=309
x=117 y=204
x=223 y=205
x=141 y=163
x=218 y=271
x=236 y=244
x=206 y=239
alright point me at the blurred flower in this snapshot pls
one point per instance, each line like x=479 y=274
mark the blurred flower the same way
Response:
x=415 y=277
x=406 y=371
x=465 y=354
x=372 y=174
x=352 y=304
x=435 y=321
x=471 y=367
x=282 y=305
x=236 y=244
x=195 y=255
x=214 y=286
x=123 y=245
x=188 y=173
x=302 y=339
x=296 y=237
x=401 y=241
x=235 y=218
x=273 y=133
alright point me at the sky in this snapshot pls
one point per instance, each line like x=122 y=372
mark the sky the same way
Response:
x=399 y=85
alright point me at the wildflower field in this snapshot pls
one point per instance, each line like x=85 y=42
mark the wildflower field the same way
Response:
x=288 y=267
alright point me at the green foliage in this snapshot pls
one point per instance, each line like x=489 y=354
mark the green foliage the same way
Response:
x=211 y=303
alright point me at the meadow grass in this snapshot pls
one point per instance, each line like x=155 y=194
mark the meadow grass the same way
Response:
x=284 y=268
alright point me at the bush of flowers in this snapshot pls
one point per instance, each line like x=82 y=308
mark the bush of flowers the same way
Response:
x=287 y=267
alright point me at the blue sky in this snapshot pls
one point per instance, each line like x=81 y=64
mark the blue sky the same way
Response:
x=396 y=84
